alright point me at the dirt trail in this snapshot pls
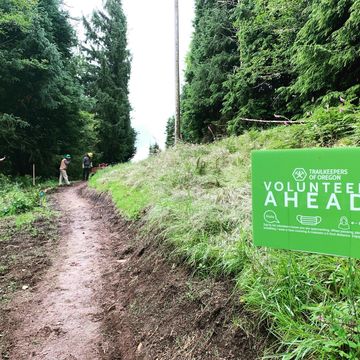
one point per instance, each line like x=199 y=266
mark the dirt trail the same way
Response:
x=60 y=318
x=114 y=295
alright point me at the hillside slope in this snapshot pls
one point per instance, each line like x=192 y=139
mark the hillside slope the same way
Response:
x=198 y=198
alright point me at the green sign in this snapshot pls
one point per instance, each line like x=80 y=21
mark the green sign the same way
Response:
x=307 y=200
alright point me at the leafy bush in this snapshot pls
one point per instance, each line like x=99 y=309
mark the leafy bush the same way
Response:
x=19 y=196
x=326 y=126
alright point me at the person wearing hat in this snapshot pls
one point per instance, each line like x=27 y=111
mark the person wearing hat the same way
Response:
x=63 y=167
x=87 y=165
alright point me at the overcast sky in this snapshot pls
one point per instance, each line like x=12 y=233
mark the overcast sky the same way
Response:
x=151 y=43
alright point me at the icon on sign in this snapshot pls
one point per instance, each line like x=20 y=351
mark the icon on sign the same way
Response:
x=309 y=220
x=344 y=223
x=270 y=217
x=299 y=174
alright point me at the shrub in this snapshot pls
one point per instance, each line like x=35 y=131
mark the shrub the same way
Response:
x=18 y=196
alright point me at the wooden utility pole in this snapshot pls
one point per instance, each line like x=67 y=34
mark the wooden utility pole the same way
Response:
x=177 y=74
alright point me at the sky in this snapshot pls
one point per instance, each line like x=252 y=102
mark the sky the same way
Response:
x=151 y=43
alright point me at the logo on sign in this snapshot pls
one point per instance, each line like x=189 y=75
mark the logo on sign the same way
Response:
x=299 y=174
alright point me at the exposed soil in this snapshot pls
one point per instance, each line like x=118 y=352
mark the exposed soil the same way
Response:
x=156 y=308
x=60 y=318
x=110 y=294
x=24 y=257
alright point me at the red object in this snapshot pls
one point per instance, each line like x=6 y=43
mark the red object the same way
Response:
x=95 y=169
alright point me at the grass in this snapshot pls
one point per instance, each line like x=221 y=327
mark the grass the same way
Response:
x=28 y=218
x=18 y=196
x=198 y=198
x=130 y=199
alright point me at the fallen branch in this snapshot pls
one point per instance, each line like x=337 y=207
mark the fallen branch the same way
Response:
x=283 y=122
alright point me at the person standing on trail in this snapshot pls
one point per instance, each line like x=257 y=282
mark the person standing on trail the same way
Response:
x=63 y=167
x=87 y=165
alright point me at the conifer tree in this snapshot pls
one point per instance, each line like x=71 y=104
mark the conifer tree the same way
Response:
x=170 y=132
x=39 y=93
x=266 y=33
x=154 y=149
x=107 y=81
x=326 y=55
x=291 y=56
x=213 y=55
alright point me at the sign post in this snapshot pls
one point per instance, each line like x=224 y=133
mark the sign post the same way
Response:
x=307 y=200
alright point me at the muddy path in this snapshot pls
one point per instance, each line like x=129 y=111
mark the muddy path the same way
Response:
x=60 y=318
x=112 y=293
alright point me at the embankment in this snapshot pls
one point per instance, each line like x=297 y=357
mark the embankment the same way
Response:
x=196 y=200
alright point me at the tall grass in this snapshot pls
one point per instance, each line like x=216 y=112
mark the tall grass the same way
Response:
x=198 y=198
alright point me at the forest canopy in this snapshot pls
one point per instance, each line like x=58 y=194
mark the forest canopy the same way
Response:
x=270 y=60
x=48 y=106
x=273 y=60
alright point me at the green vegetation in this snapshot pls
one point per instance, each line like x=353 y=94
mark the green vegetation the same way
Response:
x=107 y=78
x=213 y=56
x=170 y=132
x=268 y=59
x=39 y=97
x=131 y=200
x=55 y=101
x=29 y=218
x=20 y=197
x=198 y=198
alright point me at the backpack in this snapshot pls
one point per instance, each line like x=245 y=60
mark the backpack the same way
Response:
x=86 y=162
